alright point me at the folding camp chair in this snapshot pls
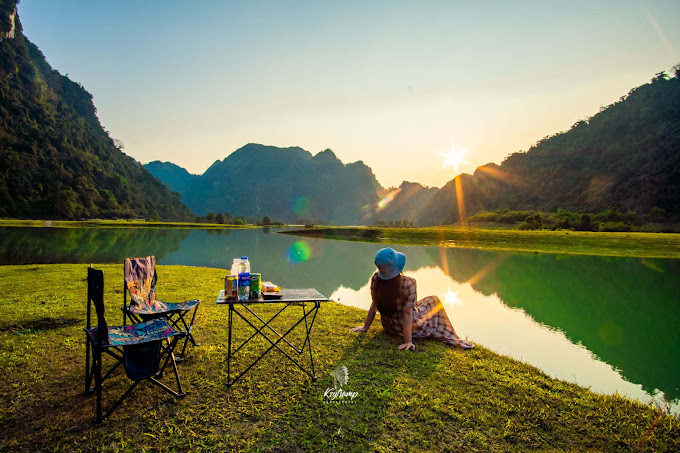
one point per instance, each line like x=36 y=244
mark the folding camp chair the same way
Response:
x=140 y=284
x=144 y=349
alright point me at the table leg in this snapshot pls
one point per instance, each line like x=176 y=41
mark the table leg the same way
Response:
x=308 y=339
x=275 y=344
x=265 y=324
x=231 y=311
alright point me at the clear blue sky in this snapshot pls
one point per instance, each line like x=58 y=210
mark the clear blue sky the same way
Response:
x=393 y=83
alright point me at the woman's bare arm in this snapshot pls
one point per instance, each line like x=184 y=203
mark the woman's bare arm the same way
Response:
x=407 y=326
x=369 y=319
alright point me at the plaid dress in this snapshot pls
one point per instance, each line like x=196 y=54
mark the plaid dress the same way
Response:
x=429 y=317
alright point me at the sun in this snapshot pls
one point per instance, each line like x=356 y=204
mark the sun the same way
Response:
x=451 y=298
x=454 y=158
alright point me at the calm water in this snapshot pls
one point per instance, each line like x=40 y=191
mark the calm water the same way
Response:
x=611 y=324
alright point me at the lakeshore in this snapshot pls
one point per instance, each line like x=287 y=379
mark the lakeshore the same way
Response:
x=630 y=244
x=642 y=245
x=423 y=400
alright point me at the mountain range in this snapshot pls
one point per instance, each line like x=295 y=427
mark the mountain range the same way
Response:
x=288 y=184
x=57 y=161
x=625 y=158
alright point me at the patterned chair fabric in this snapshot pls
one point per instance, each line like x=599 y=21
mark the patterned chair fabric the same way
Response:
x=152 y=330
x=140 y=283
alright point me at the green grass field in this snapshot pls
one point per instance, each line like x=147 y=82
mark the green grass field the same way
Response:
x=647 y=245
x=434 y=399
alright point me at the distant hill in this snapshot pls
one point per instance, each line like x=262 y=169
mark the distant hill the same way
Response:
x=56 y=160
x=625 y=158
x=406 y=202
x=175 y=177
x=285 y=184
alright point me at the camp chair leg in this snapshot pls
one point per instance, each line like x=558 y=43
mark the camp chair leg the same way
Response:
x=187 y=329
x=97 y=365
x=120 y=400
x=97 y=368
x=179 y=393
x=189 y=337
x=171 y=357
x=88 y=371
x=191 y=324
x=180 y=356
x=91 y=369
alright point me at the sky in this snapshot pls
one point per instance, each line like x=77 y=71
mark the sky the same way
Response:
x=400 y=85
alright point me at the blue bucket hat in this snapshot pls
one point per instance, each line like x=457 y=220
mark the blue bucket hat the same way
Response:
x=389 y=262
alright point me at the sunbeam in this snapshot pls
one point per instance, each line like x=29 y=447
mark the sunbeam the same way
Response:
x=501 y=175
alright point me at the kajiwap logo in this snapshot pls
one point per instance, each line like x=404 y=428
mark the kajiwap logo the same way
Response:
x=337 y=394
x=340 y=376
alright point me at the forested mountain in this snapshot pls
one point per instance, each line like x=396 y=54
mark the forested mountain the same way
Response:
x=286 y=184
x=625 y=158
x=56 y=160
x=175 y=177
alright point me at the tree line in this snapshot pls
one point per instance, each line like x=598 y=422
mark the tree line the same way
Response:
x=227 y=219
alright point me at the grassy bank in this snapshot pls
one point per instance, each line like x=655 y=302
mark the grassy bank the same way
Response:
x=100 y=223
x=647 y=245
x=436 y=398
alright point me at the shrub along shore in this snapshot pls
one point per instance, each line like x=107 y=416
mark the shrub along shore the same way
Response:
x=645 y=245
x=436 y=398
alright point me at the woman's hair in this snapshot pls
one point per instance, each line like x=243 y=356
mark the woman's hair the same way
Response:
x=385 y=294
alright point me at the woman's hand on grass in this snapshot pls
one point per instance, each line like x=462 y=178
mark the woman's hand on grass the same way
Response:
x=358 y=329
x=407 y=346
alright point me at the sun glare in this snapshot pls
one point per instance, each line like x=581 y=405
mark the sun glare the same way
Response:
x=451 y=298
x=455 y=157
x=387 y=199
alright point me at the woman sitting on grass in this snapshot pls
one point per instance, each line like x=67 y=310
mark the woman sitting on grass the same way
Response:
x=394 y=296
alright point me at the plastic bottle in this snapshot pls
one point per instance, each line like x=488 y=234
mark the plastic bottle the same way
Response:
x=244 y=266
x=235 y=267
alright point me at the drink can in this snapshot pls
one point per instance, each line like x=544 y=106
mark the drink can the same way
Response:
x=255 y=280
x=231 y=287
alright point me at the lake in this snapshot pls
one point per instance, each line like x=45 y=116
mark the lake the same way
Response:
x=610 y=324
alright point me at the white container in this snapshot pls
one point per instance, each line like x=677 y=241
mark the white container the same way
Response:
x=234 y=267
x=244 y=266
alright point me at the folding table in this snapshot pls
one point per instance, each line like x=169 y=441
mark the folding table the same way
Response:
x=289 y=298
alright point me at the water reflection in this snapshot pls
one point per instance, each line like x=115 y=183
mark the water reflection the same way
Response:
x=85 y=245
x=607 y=323
x=623 y=310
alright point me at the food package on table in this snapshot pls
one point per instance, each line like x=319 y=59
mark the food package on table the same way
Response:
x=269 y=287
x=270 y=290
